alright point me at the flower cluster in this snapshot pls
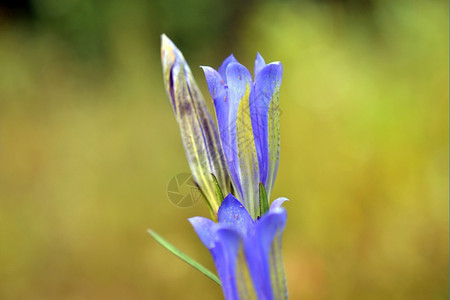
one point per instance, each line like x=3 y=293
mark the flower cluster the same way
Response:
x=248 y=119
x=243 y=149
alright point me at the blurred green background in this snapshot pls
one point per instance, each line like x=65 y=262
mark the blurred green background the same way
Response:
x=88 y=144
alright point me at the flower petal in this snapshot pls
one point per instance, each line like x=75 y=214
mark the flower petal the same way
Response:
x=223 y=68
x=234 y=215
x=218 y=91
x=259 y=64
x=240 y=93
x=216 y=83
x=225 y=254
x=205 y=229
x=276 y=204
x=264 y=256
x=266 y=121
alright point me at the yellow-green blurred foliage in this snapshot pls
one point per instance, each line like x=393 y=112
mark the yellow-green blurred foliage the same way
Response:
x=88 y=144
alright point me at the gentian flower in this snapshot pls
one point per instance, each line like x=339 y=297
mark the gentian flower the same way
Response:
x=249 y=126
x=198 y=131
x=246 y=252
x=246 y=241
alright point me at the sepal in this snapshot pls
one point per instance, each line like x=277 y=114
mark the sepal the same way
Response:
x=198 y=131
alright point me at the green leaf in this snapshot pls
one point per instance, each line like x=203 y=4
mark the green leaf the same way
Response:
x=184 y=256
x=263 y=201
x=218 y=189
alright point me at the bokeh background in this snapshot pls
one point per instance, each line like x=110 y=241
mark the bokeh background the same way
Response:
x=88 y=144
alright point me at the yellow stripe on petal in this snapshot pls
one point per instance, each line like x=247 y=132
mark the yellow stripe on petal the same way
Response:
x=246 y=289
x=248 y=163
x=274 y=138
x=277 y=273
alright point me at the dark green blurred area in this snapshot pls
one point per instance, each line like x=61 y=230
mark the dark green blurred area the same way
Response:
x=88 y=144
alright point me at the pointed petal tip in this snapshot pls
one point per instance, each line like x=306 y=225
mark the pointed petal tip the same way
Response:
x=237 y=72
x=275 y=63
x=277 y=203
x=230 y=57
x=206 y=68
x=230 y=198
x=233 y=214
x=169 y=52
x=259 y=56
x=210 y=71
x=198 y=222
x=216 y=84
x=259 y=64
x=166 y=43
x=192 y=219
x=223 y=67
x=205 y=229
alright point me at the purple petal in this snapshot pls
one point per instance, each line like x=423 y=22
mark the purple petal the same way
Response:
x=224 y=112
x=223 y=68
x=205 y=229
x=263 y=253
x=216 y=84
x=237 y=78
x=225 y=255
x=218 y=91
x=234 y=215
x=270 y=225
x=276 y=204
x=259 y=64
x=267 y=84
x=224 y=245
x=240 y=88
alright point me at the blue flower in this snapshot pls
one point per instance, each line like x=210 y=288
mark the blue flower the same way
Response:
x=246 y=241
x=248 y=114
x=198 y=131
x=246 y=252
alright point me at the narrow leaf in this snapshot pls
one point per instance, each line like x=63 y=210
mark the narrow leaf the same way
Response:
x=218 y=189
x=184 y=256
x=263 y=201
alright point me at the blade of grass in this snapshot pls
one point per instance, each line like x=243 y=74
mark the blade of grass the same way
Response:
x=184 y=256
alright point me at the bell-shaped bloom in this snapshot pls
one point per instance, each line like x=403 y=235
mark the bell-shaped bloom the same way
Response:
x=246 y=252
x=198 y=131
x=248 y=118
